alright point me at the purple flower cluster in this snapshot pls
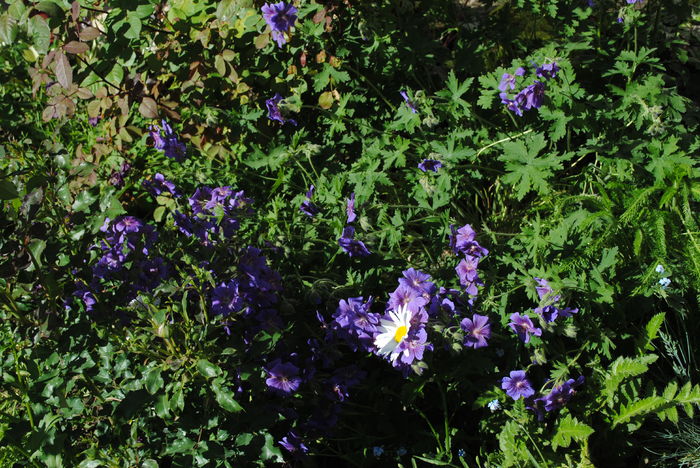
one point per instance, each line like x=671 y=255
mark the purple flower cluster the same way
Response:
x=307 y=206
x=355 y=324
x=531 y=96
x=415 y=292
x=127 y=260
x=164 y=139
x=556 y=399
x=548 y=309
x=274 y=112
x=280 y=17
x=352 y=246
x=159 y=185
x=215 y=213
x=463 y=241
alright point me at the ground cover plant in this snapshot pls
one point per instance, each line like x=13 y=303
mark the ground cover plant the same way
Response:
x=389 y=233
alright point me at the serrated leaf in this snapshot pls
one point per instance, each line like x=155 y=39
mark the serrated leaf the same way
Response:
x=525 y=170
x=623 y=368
x=638 y=408
x=569 y=429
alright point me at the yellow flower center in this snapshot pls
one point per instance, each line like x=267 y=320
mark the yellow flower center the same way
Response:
x=400 y=333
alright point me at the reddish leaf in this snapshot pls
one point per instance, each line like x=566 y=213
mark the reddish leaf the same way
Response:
x=89 y=33
x=149 y=108
x=64 y=73
x=75 y=47
x=75 y=10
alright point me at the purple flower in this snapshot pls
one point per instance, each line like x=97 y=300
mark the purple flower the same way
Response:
x=508 y=80
x=517 y=385
x=523 y=326
x=463 y=240
x=159 y=184
x=117 y=176
x=87 y=297
x=307 y=207
x=468 y=276
x=533 y=96
x=284 y=376
x=429 y=165
x=544 y=289
x=355 y=323
x=418 y=281
x=408 y=102
x=293 y=444
x=631 y=2
x=350 y=208
x=411 y=348
x=280 y=17
x=165 y=140
x=226 y=299
x=560 y=395
x=406 y=296
x=352 y=247
x=477 y=330
x=274 y=112
x=547 y=70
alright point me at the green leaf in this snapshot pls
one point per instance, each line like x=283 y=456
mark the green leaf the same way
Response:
x=570 y=429
x=8 y=191
x=84 y=200
x=224 y=396
x=525 y=170
x=134 y=23
x=207 y=369
x=638 y=408
x=651 y=332
x=153 y=381
x=624 y=368
x=162 y=407
x=270 y=450
x=41 y=33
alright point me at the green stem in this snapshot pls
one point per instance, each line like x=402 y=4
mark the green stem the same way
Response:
x=502 y=141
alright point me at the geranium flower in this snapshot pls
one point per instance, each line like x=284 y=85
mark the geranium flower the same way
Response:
x=477 y=330
x=280 y=17
x=517 y=385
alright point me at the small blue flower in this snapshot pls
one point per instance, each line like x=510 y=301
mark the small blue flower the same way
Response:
x=401 y=451
x=377 y=451
x=461 y=453
x=494 y=405
x=664 y=282
x=659 y=268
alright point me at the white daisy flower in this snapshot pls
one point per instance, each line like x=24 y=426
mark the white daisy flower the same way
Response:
x=393 y=332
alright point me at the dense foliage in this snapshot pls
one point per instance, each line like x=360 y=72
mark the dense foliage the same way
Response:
x=455 y=233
